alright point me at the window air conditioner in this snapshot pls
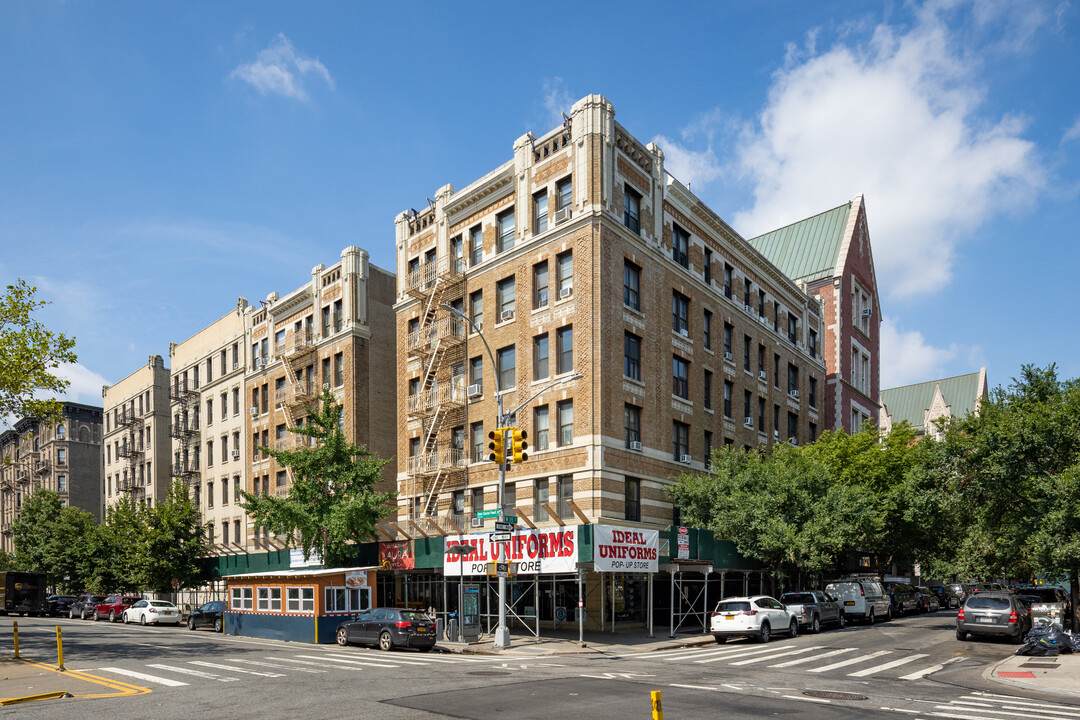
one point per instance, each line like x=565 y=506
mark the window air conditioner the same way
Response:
x=254 y=411
x=727 y=356
x=235 y=454
x=475 y=390
x=749 y=310
x=794 y=394
x=867 y=312
x=477 y=522
x=792 y=441
x=326 y=386
x=635 y=445
x=565 y=293
x=761 y=375
x=776 y=433
x=762 y=319
x=748 y=422
x=685 y=459
x=507 y=315
x=684 y=332
x=479 y=326
x=235 y=366
x=563 y=214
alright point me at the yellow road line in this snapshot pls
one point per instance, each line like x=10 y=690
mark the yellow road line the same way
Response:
x=124 y=689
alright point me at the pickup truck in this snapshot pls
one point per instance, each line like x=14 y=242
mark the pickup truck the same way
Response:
x=814 y=608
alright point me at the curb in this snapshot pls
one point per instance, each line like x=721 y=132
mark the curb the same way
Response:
x=990 y=674
x=31 y=698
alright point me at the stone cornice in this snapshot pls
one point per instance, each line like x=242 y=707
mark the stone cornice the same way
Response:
x=633 y=149
x=472 y=197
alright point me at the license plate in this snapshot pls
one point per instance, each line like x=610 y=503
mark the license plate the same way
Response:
x=849 y=603
x=729 y=617
x=421 y=629
x=985 y=620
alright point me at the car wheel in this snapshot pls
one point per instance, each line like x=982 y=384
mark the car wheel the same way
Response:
x=71 y=614
x=961 y=635
x=815 y=625
x=217 y=625
x=793 y=628
x=385 y=641
x=97 y=616
x=888 y=615
x=871 y=619
x=1018 y=639
x=124 y=617
x=764 y=632
x=191 y=623
x=342 y=637
x=142 y=620
x=719 y=640
x=842 y=622
x=112 y=616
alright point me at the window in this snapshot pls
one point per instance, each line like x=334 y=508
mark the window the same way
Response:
x=706 y=325
x=680 y=313
x=747 y=402
x=269 y=599
x=792 y=328
x=540 y=285
x=339 y=369
x=476 y=308
x=61 y=457
x=707 y=448
x=540 y=212
x=61 y=430
x=792 y=426
x=209 y=453
x=729 y=330
x=860 y=370
x=61 y=483
x=776 y=420
x=792 y=379
x=241 y=598
x=680 y=440
x=729 y=390
x=281 y=478
x=476 y=439
x=457 y=503
x=224 y=405
x=633 y=500
x=302 y=600
x=728 y=273
x=476 y=246
x=632 y=422
x=747 y=285
x=565 y=411
x=457 y=254
x=504 y=296
x=632 y=356
x=680 y=377
x=540 y=357
x=811 y=434
x=507 y=366
x=761 y=303
x=776 y=371
x=811 y=343
x=210 y=411
x=565 y=190
x=326 y=321
x=746 y=352
x=680 y=246
x=540 y=498
x=224 y=448
x=541 y=426
x=761 y=415
x=707 y=390
x=476 y=371
x=631 y=209
x=476 y=504
x=236 y=531
x=812 y=391
x=564 y=486
x=564 y=348
x=209 y=529
x=414 y=446
x=707 y=270
x=631 y=285
x=862 y=308
x=564 y=267
x=505 y=223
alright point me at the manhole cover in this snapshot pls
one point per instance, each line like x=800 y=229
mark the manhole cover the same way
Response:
x=488 y=673
x=830 y=695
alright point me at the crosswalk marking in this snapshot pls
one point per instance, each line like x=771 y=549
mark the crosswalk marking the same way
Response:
x=233 y=668
x=812 y=658
x=852 y=661
x=919 y=674
x=352 y=662
x=193 y=673
x=728 y=656
x=395 y=660
x=886 y=666
x=1004 y=699
x=773 y=656
x=1007 y=710
x=272 y=665
x=143 y=676
x=317 y=664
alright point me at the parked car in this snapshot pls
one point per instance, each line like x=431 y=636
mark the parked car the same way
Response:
x=946 y=596
x=902 y=598
x=84 y=605
x=153 y=612
x=928 y=601
x=59 y=604
x=814 y=608
x=1046 y=601
x=209 y=614
x=753 y=617
x=862 y=599
x=113 y=606
x=389 y=628
x=994 y=614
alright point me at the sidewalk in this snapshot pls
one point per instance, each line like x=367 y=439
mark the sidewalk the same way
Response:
x=565 y=642
x=1059 y=674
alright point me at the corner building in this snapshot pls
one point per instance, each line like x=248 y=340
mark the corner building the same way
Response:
x=581 y=255
x=136 y=434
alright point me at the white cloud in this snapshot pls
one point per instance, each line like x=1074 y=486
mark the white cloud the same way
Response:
x=907 y=358
x=557 y=100
x=690 y=167
x=897 y=119
x=281 y=69
x=85 y=384
x=1073 y=132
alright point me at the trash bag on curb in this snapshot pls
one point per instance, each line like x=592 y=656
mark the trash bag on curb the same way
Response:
x=1040 y=647
x=1047 y=641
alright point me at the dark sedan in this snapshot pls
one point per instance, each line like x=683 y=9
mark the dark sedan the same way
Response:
x=209 y=614
x=59 y=604
x=83 y=607
x=389 y=628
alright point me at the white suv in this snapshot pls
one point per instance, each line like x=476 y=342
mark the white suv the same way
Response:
x=862 y=600
x=755 y=617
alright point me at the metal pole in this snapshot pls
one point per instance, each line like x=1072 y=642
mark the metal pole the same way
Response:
x=461 y=597
x=59 y=650
x=705 y=610
x=15 y=628
x=502 y=632
x=581 y=608
x=651 y=633
x=671 y=633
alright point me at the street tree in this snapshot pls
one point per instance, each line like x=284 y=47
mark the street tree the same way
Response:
x=53 y=539
x=175 y=541
x=118 y=557
x=333 y=501
x=30 y=354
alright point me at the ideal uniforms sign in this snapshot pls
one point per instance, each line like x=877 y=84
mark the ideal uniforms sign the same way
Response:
x=552 y=550
x=625 y=549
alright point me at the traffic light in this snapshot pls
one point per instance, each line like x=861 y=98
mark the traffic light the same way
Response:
x=520 y=446
x=498 y=451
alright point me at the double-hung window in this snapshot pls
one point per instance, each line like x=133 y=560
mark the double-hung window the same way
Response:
x=632 y=356
x=540 y=212
x=540 y=357
x=680 y=246
x=680 y=377
x=269 y=599
x=564 y=267
x=564 y=349
x=507 y=360
x=506 y=230
x=242 y=598
x=631 y=285
x=680 y=313
x=540 y=285
x=476 y=245
x=632 y=421
x=505 y=296
x=302 y=600
x=632 y=209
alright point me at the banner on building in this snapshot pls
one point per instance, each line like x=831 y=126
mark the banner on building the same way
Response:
x=297 y=559
x=625 y=549
x=553 y=550
x=397 y=555
x=356 y=579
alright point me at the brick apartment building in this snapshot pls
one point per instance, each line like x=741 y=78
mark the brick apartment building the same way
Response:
x=136 y=435
x=64 y=457
x=581 y=255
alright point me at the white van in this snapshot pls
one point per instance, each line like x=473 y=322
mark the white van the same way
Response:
x=862 y=600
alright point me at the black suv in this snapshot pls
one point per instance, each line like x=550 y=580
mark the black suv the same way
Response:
x=902 y=598
x=59 y=604
x=389 y=628
x=209 y=614
x=84 y=605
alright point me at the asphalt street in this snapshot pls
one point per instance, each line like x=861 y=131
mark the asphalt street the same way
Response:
x=911 y=668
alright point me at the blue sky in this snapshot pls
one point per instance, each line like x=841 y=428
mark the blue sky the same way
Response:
x=158 y=161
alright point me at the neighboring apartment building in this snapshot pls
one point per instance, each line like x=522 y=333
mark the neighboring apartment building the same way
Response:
x=209 y=423
x=64 y=457
x=581 y=255
x=136 y=436
x=335 y=332
x=829 y=255
x=923 y=404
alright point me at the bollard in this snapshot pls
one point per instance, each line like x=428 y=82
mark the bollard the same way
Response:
x=15 y=627
x=657 y=706
x=59 y=650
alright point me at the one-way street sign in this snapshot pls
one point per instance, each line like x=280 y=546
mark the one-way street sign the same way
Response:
x=504 y=526
x=499 y=537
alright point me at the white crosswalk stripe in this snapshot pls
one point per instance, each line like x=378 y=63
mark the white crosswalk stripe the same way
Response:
x=886 y=666
x=992 y=706
x=773 y=656
x=352 y=662
x=812 y=658
x=316 y=664
x=145 y=677
x=233 y=668
x=274 y=666
x=852 y=661
x=193 y=673
x=397 y=659
x=742 y=653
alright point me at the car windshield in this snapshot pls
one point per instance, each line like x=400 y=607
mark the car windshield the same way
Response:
x=796 y=598
x=1041 y=595
x=161 y=603
x=414 y=616
x=732 y=607
x=988 y=602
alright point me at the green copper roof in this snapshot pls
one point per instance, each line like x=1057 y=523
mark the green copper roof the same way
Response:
x=806 y=250
x=910 y=402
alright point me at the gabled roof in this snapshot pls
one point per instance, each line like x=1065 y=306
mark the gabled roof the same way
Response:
x=911 y=402
x=807 y=250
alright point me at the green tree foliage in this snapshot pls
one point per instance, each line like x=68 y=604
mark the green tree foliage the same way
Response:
x=52 y=539
x=119 y=548
x=175 y=541
x=29 y=356
x=333 y=502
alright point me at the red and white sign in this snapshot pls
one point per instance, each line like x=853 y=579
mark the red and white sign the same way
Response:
x=552 y=550
x=625 y=549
